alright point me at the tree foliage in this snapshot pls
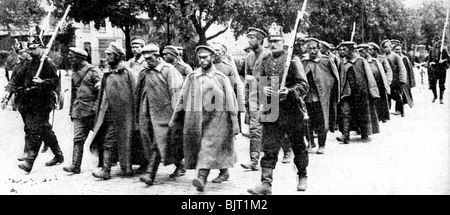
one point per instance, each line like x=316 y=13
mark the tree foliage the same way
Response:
x=20 y=14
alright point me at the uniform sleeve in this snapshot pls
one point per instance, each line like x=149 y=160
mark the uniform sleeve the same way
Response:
x=388 y=70
x=175 y=82
x=402 y=69
x=299 y=84
x=49 y=77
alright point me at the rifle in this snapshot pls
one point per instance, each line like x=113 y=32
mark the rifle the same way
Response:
x=353 y=32
x=50 y=43
x=291 y=45
x=443 y=35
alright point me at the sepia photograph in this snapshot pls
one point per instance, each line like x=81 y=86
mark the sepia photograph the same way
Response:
x=215 y=97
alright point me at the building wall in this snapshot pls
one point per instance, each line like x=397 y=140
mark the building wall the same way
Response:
x=98 y=39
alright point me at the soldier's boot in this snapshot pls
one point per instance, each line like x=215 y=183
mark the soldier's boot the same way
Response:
x=266 y=183
x=441 y=96
x=322 y=138
x=345 y=137
x=180 y=170
x=76 y=159
x=59 y=158
x=127 y=171
x=253 y=164
x=105 y=172
x=27 y=166
x=153 y=164
x=200 y=181
x=100 y=157
x=287 y=156
x=302 y=183
x=434 y=95
x=224 y=175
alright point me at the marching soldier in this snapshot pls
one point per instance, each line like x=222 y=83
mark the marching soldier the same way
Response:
x=410 y=81
x=284 y=115
x=252 y=68
x=374 y=51
x=115 y=117
x=382 y=105
x=438 y=63
x=35 y=98
x=83 y=103
x=137 y=63
x=358 y=92
x=157 y=89
x=207 y=114
x=323 y=95
x=399 y=77
x=325 y=49
x=172 y=56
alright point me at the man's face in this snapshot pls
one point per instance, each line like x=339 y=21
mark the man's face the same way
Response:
x=398 y=50
x=364 y=53
x=323 y=49
x=205 y=59
x=341 y=52
x=112 y=58
x=276 y=45
x=372 y=51
x=253 y=41
x=74 y=59
x=136 y=48
x=169 y=58
x=348 y=52
x=151 y=58
x=313 y=50
x=16 y=44
x=35 y=52
x=387 y=47
x=219 y=53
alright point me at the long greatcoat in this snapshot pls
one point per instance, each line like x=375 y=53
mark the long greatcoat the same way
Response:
x=410 y=82
x=207 y=113
x=384 y=89
x=326 y=80
x=367 y=86
x=118 y=86
x=157 y=91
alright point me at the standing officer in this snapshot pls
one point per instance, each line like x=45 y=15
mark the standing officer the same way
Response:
x=158 y=87
x=252 y=68
x=35 y=97
x=282 y=112
x=115 y=118
x=171 y=55
x=207 y=113
x=358 y=90
x=438 y=63
x=399 y=76
x=83 y=103
x=323 y=95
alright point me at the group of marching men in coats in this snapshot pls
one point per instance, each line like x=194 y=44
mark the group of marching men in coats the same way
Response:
x=155 y=108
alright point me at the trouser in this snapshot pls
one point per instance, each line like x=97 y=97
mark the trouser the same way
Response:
x=316 y=123
x=110 y=147
x=272 y=135
x=437 y=77
x=37 y=129
x=255 y=130
x=356 y=107
x=81 y=128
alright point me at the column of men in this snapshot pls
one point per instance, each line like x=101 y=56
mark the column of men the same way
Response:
x=155 y=108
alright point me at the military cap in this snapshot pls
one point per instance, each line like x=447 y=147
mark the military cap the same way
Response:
x=363 y=46
x=78 y=51
x=171 y=50
x=374 y=45
x=384 y=42
x=35 y=42
x=275 y=32
x=203 y=47
x=222 y=46
x=179 y=48
x=329 y=46
x=395 y=42
x=150 y=49
x=349 y=43
x=115 y=48
x=138 y=41
x=257 y=31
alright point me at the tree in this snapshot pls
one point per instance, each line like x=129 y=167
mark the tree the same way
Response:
x=432 y=17
x=20 y=14
x=122 y=14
